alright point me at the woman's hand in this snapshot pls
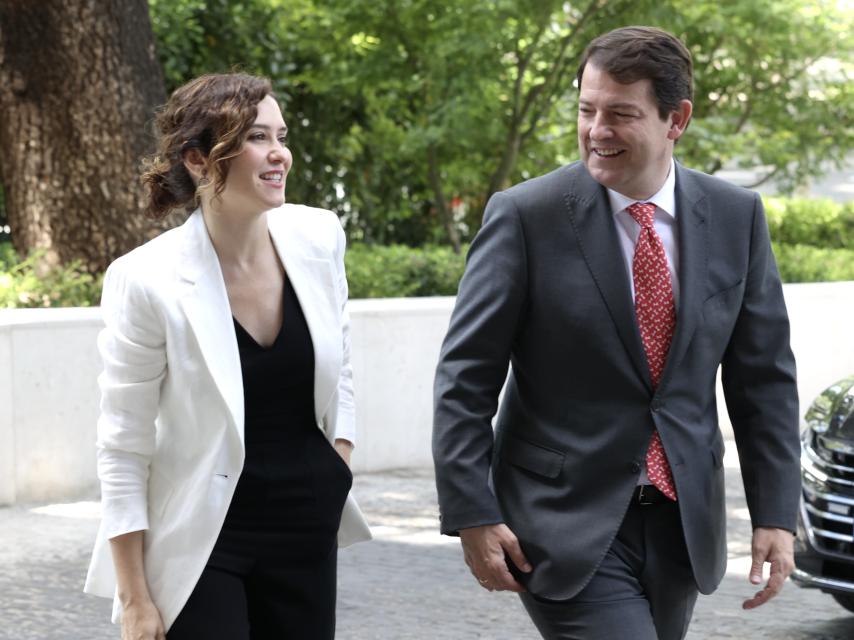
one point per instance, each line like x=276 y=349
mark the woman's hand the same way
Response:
x=140 y=617
x=141 y=621
x=344 y=449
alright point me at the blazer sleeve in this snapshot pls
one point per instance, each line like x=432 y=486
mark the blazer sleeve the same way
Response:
x=758 y=377
x=473 y=367
x=345 y=425
x=132 y=346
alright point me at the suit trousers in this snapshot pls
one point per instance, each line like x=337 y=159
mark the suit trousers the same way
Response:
x=644 y=588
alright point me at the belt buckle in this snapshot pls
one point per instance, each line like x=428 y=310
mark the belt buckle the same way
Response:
x=644 y=500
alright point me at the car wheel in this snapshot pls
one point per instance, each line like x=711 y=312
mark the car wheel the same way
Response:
x=845 y=599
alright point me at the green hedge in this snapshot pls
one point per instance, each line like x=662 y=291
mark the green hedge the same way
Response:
x=817 y=222
x=813 y=241
x=398 y=271
x=806 y=263
x=372 y=272
x=23 y=284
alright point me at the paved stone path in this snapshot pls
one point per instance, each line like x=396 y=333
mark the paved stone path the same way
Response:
x=410 y=583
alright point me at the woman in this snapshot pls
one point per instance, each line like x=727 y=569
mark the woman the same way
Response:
x=226 y=379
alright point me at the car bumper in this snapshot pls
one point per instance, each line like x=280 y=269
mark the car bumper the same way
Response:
x=809 y=581
x=817 y=567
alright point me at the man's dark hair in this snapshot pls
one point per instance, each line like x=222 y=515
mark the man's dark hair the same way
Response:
x=630 y=54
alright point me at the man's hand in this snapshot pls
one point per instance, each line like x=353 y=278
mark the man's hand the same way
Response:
x=774 y=546
x=486 y=550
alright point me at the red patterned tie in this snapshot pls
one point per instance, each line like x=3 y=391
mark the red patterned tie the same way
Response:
x=656 y=317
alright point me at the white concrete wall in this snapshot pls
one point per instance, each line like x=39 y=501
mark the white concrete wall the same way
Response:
x=49 y=394
x=822 y=321
x=822 y=318
x=395 y=348
x=47 y=421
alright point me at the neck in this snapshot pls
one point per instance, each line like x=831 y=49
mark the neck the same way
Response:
x=656 y=186
x=239 y=241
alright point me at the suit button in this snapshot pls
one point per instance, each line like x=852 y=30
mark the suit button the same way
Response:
x=635 y=467
x=656 y=405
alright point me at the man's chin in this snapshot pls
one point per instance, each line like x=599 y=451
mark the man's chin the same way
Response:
x=607 y=177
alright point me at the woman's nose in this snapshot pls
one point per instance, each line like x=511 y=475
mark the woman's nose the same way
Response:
x=280 y=154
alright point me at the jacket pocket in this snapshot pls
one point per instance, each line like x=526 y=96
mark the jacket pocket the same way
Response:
x=532 y=457
x=726 y=295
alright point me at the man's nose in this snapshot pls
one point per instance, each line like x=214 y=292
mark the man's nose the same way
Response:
x=600 y=128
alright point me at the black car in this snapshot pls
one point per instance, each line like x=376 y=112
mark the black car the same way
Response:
x=824 y=547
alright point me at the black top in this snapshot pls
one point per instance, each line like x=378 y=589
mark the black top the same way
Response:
x=293 y=484
x=278 y=381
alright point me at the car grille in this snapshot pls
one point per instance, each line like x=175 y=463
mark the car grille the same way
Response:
x=828 y=482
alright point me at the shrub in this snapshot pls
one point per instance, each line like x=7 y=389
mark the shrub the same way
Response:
x=813 y=242
x=8 y=257
x=811 y=221
x=398 y=271
x=805 y=263
x=23 y=284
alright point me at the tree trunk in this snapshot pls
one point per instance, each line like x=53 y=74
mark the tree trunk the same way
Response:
x=445 y=213
x=79 y=80
x=510 y=155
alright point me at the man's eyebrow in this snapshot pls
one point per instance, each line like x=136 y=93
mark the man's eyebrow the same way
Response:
x=615 y=105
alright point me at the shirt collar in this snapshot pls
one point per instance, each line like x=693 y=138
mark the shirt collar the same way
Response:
x=664 y=199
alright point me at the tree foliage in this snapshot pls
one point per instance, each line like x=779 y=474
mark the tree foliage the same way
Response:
x=773 y=85
x=407 y=114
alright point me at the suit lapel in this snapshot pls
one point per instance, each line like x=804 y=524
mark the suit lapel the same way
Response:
x=594 y=227
x=314 y=284
x=692 y=212
x=205 y=303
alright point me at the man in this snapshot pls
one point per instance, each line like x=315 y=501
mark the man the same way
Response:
x=615 y=287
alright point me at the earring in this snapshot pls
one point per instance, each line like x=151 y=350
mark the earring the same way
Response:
x=203 y=181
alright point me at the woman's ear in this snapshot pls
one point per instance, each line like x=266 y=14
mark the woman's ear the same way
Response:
x=196 y=164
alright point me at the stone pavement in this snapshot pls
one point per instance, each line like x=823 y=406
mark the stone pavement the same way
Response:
x=409 y=583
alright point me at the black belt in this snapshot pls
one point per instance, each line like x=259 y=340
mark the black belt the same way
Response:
x=646 y=494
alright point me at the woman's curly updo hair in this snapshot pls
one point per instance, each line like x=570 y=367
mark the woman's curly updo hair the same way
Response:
x=212 y=113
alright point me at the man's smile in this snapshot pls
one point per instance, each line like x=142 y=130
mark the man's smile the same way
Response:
x=607 y=153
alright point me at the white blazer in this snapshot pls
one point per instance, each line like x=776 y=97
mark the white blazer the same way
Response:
x=170 y=433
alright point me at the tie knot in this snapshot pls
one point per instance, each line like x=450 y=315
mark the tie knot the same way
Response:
x=643 y=213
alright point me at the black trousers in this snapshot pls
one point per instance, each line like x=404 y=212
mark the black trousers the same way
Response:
x=643 y=589
x=272 y=572
x=258 y=601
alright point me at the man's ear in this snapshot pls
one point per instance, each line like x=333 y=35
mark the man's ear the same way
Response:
x=679 y=119
x=196 y=164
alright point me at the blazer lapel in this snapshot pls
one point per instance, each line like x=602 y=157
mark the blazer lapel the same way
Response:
x=313 y=281
x=692 y=211
x=593 y=223
x=205 y=303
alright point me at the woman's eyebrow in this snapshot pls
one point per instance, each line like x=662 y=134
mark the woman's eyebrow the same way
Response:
x=267 y=127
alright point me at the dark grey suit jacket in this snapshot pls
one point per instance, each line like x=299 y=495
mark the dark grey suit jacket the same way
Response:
x=546 y=289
